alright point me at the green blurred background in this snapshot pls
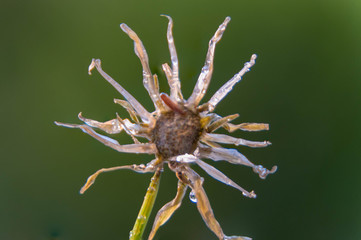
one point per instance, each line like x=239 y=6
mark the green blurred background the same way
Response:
x=306 y=84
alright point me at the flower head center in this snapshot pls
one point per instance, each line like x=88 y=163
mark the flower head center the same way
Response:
x=177 y=133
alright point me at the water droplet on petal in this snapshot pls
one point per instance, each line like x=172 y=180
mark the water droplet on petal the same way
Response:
x=192 y=197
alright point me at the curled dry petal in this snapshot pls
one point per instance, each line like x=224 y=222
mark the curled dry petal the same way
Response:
x=129 y=108
x=148 y=80
x=111 y=127
x=250 y=127
x=224 y=154
x=213 y=172
x=227 y=87
x=141 y=111
x=148 y=148
x=263 y=172
x=221 y=138
x=206 y=74
x=137 y=168
x=173 y=76
x=166 y=212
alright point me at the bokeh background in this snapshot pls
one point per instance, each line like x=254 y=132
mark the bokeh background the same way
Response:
x=306 y=84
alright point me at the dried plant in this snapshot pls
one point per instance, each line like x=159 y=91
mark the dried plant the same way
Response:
x=179 y=132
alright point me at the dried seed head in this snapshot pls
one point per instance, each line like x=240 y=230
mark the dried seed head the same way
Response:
x=176 y=133
x=180 y=131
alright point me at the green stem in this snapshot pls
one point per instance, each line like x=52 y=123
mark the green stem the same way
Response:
x=146 y=209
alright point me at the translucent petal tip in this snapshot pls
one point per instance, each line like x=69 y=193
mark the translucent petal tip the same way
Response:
x=124 y=27
x=91 y=66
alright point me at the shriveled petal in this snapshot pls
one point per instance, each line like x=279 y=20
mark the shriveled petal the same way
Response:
x=137 y=168
x=250 y=127
x=211 y=144
x=221 y=122
x=148 y=80
x=222 y=138
x=112 y=126
x=128 y=128
x=166 y=212
x=263 y=172
x=227 y=87
x=129 y=108
x=232 y=156
x=206 y=73
x=204 y=207
x=224 y=154
x=141 y=111
x=213 y=172
x=173 y=78
x=148 y=148
x=168 y=73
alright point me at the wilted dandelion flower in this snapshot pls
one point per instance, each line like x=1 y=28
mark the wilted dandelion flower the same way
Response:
x=180 y=132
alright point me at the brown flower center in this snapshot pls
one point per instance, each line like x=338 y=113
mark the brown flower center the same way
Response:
x=177 y=133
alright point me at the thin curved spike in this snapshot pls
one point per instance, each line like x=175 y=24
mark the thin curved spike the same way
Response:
x=148 y=80
x=137 y=168
x=141 y=111
x=174 y=83
x=222 y=138
x=166 y=212
x=227 y=87
x=148 y=148
x=206 y=73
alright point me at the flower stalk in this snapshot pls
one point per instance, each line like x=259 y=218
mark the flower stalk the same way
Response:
x=146 y=209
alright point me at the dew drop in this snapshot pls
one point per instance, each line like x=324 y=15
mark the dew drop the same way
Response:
x=192 y=197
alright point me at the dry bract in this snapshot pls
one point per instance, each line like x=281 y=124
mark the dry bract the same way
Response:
x=179 y=132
